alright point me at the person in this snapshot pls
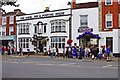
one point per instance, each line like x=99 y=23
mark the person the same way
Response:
x=2 y=50
x=57 y=51
x=5 y=50
x=66 y=52
x=28 y=52
x=100 y=53
x=8 y=49
x=74 y=52
x=80 y=52
x=13 y=50
x=63 y=55
x=53 y=52
x=49 y=51
x=69 y=52
x=21 y=52
x=108 y=52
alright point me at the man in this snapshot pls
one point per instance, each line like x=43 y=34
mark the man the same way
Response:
x=108 y=52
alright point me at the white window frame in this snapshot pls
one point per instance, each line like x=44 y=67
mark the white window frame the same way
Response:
x=109 y=20
x=119 y=20
x=11 y=30
x=4 y=20
x=81 y=16
x=118 y=1
x=3 y=31
x=24 y=28
x=22 y=42
x=58 y=25
x=107 y=2
x=60 y=41
x=11 y=19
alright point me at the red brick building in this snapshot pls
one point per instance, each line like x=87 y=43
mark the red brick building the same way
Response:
x=8 y=27
x=109 y=24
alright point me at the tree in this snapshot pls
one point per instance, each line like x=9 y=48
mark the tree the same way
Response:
x=6 y=3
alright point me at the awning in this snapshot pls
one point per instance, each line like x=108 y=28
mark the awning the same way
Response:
x=93 y=35
x=12 y=37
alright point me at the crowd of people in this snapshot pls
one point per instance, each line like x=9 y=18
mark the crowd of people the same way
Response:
x=92 y=52
x=7 y=50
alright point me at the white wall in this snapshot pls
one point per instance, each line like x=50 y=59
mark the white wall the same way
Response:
x=48 y=26
x=115 y=34
x=92 y=21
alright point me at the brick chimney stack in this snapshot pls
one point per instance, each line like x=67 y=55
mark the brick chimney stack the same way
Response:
x=73 y=4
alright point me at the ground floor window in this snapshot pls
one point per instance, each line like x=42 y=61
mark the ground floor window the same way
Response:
x=58 y=42
x=23 y=42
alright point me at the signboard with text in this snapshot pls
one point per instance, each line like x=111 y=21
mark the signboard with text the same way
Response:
x=81 y=30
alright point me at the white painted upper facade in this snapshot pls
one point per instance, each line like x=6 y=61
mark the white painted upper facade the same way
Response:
x=92 y=21
x=44 y=17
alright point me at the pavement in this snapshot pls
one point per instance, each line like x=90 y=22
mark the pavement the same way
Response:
x=117 y=59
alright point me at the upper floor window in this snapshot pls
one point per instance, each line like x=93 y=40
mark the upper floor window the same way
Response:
x=108 y=2
x=109 y=21
x=4 y=20
x=23 y=28
x=11 y=19
x=119 y=20
x=118 y=1
x=58 y=25
x=11 y=30
x=3 y=30
x=83 y=20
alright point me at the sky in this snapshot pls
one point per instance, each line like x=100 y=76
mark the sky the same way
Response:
x=32 y=6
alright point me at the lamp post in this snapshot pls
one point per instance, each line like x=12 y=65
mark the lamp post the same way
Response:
x=70 y=21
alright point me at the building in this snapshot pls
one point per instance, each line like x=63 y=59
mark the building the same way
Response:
x=51 y=28
x=8 y=28
x=85 y=24
x=38 y=31
x=109 y=24
x=92 y=23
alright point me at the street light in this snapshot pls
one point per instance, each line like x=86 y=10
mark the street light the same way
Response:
x=70 y=21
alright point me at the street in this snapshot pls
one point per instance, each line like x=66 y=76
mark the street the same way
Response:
x=46 y=67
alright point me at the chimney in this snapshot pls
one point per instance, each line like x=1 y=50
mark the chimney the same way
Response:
x=73 y=4
x=46 y=9
x=17 y=10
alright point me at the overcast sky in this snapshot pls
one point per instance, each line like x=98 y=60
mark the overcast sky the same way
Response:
x=32 y=6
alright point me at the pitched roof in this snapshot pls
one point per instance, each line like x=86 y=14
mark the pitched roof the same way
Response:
x=16 y=12
x=86 y=5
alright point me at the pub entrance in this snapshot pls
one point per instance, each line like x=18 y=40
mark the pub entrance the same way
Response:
x=87 y=39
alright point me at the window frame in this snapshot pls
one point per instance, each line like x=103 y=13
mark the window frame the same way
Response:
x=81 y=18
x=11 y=30
x=24 y=28
x=24 y=43
x=106 y=21
x=11 y=19
x=57 y=25
x=4 y=20
x=107 y=2
x=57 y=41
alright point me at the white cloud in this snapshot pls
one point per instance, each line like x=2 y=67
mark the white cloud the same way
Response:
x=32 y=6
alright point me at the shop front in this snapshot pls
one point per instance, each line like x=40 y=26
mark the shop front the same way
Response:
x=88 y=39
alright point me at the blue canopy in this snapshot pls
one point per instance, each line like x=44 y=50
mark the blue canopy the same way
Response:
x=93 y=35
